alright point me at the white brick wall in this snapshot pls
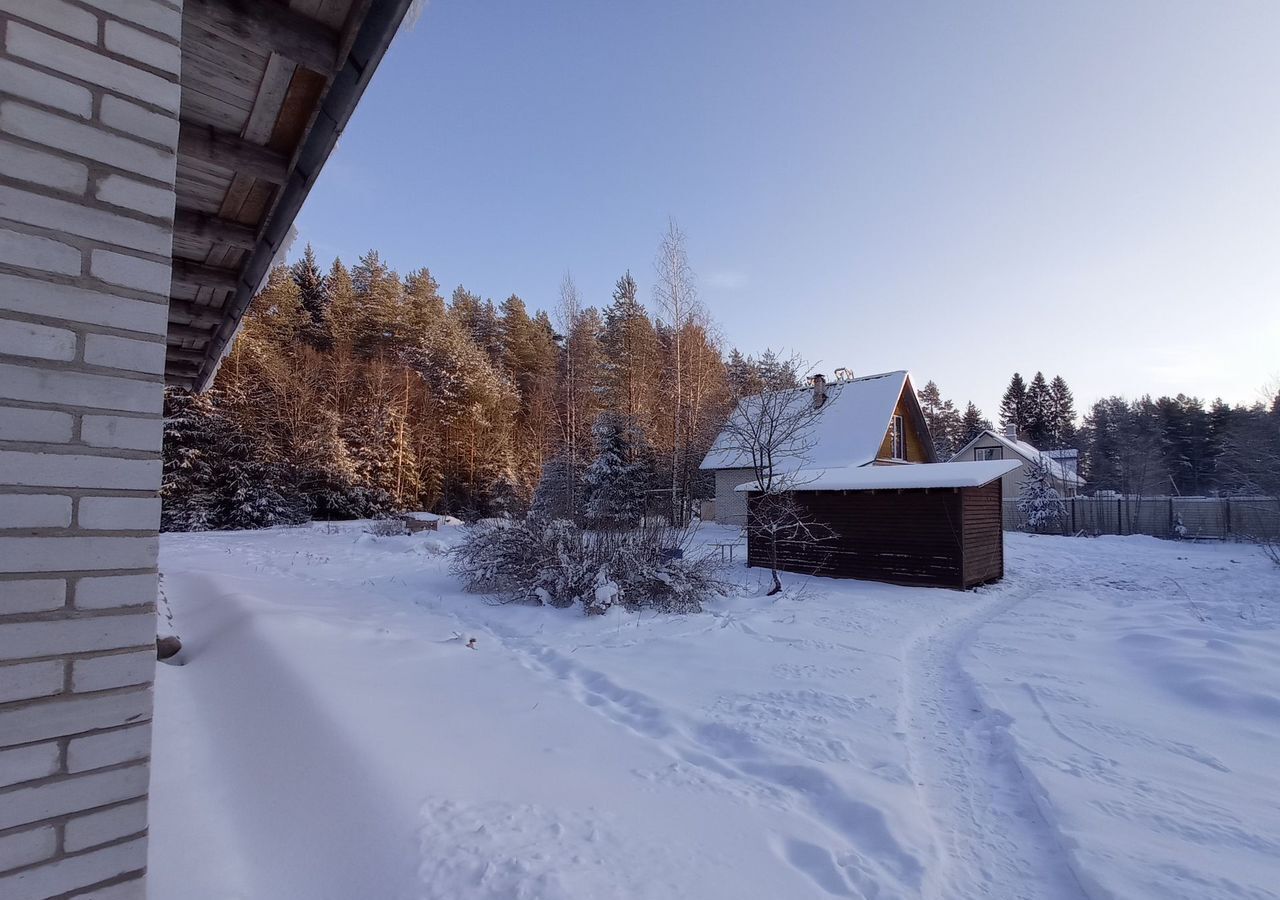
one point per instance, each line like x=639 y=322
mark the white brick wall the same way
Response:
x=119 y=513
x=97 y=828
x=36 y=425
x=101 y=673
x=124 y=353
x=115 y=590
x=41 y=341
x=29 y=595
x=110 y=748
x=71 y=872
x=26 y=847
x=34 y=511
x=25 y=164
x=35 y=252
x=27 y=680
x=89 y=95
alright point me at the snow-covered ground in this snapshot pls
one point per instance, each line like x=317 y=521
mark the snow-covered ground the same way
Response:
x=1104 y=723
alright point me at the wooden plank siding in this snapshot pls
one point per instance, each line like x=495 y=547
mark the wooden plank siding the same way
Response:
x=983 y=534
x=948 y=537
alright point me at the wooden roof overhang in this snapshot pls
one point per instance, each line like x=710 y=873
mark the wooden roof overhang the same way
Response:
x=267 y=87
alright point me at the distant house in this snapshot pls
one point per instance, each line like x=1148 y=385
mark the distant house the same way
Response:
x=1063 y=465
x=873 y=420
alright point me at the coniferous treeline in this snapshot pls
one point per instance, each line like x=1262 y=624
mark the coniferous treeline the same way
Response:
x=351 y=392
x=1167 y=445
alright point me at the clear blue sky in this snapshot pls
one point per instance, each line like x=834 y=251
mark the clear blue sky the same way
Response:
x=961 y=189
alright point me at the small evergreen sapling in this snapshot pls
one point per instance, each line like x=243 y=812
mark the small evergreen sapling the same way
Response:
x=1039 y=501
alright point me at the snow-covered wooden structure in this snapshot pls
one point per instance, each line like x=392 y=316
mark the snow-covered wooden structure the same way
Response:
x=874 y=420
x=937 y=525
x=1061 y=464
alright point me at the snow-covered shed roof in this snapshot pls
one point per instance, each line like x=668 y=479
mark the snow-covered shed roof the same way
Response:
x=849 y=431
x=891 y=478
x=1030 y=454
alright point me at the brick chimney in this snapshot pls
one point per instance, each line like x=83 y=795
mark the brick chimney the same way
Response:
x=1011 y=431
x=819 y=390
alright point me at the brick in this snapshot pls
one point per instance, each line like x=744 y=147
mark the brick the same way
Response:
x=111 y=591
x=56 y=15
x=69 y=470
x=84 y=139
x=129 y=117
x=72 y=872
x=122 y=432
x=131 y=271
x=27 y=847
x=76 y=218
x=133 y=889
x=28 y=763
x=96 y=751
x=41 y=87
x=37 y=341
x=57 y=717
x=101 y=673
x=151 y=51
x=124 y=353
x=26 y=164
x=147 y=13
x=34 y=511
x=36 y=296
x=45 y=425
x=119 y=513
x=34 y=252
x=80 y=635
x=67 y=554
x=26 y=596
x=112 y=824
x=133 y=195
x=30 y=680
x=91 y=66
x=72 y=388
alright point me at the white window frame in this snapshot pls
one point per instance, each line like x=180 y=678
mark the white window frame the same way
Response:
x=899 y=443
x=981 y=454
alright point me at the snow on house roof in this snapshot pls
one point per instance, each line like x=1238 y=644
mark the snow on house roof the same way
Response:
x=1030 y=454
x=890 y=478
x=849 y=432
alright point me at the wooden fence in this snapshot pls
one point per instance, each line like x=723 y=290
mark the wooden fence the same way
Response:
x=1217 y=518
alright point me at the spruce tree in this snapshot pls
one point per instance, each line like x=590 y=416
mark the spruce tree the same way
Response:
x=972 y=424
x=313 y=293
x=1064 y=413
x=614 y=482
x=558 y=494
x=1039 y=501
x=1013 y=407
x=1039 y=417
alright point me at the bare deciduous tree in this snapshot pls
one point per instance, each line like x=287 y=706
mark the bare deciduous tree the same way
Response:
x=773 y=435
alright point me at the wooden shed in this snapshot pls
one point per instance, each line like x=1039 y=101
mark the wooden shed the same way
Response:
x=931 y=524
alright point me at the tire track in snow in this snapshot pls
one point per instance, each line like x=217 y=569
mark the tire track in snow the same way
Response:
x=992 y=837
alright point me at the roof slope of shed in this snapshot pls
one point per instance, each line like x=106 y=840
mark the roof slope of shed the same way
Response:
x=891 y=478
x=849 y=431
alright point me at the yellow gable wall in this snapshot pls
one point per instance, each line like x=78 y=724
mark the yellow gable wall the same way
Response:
x=914 y=439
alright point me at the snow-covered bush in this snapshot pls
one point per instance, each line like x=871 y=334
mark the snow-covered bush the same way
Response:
x=1039 y=501
x=554 y=562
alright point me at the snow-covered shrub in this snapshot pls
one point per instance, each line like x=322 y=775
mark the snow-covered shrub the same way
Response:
x=554 y=562
x=1039 y=501
x=390 y=527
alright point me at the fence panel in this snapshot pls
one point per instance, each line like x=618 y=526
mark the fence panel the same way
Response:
x=1202 y=517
